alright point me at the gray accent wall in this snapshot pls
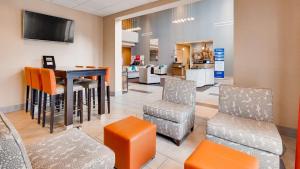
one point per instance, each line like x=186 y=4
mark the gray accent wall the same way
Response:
x=213 y=21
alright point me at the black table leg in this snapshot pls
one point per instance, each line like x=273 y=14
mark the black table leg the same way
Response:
x=101 y=95
x=68 y=101
x=89 y=103
x=108 y=98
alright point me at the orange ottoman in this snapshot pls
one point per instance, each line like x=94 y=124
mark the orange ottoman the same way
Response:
x=209 y=155
x=133 y=140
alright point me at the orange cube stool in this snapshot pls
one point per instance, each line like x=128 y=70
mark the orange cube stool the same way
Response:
x=133 y=140
x=209 y=155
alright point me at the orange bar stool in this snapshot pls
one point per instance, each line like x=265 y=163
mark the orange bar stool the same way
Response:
x=91 y=84
x=36 y=85
x=28 y=86
x=209 y=155
x=52 y=89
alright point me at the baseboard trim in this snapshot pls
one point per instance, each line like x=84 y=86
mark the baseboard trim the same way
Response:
x=118 y=93
x=286 y=131
x=13 y=108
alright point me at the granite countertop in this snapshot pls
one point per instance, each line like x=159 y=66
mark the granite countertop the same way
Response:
x=203 y=66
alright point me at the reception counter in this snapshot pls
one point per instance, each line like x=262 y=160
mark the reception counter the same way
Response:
x=203 y=76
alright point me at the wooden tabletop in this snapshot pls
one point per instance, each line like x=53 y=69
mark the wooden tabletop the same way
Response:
x=70 y=69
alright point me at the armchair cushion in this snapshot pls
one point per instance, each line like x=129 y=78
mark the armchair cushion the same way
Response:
x=256 y=134
x=177 y=113
x=246 y=102
x=179 y=91
x=71 y=149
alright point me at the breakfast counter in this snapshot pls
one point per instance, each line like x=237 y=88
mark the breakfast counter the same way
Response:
x=203 y=74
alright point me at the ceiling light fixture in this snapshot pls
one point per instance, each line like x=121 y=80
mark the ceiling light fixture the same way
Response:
x=184 y=15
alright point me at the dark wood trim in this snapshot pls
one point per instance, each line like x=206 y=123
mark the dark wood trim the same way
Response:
x=108 y=98
x=101 y=95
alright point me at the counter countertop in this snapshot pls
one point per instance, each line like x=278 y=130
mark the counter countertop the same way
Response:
x=204 y=66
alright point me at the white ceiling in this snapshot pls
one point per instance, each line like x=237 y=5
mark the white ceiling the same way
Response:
x=101 y=7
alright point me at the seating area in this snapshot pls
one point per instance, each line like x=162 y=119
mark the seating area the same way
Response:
x=149 y=84
x=43 y=81
x=174 y=115
x=245 y=122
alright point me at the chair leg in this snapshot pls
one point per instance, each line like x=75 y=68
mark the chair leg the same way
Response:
x=80 y=105
x=44 y=109
x=58 y=101
x=52 y=105
x=177 y=142
x=27 y=98
x=32 y=103
x=108 y=98
x=94 y=97
x=40 y=106
x=86 y=95
x=62 y=101
x=74 y=102
x=89 y=104
x=35 y=97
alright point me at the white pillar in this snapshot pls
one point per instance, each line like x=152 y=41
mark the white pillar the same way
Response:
x=118 y=57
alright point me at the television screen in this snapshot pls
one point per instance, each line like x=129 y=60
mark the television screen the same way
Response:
x=45 y=27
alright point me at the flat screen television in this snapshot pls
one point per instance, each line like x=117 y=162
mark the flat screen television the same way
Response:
x=44 y=27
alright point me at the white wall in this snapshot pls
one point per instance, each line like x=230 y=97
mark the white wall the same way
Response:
x=15 y=52
x=213 y=21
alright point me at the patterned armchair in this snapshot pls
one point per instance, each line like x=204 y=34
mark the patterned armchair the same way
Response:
x=161 y=69
x=148 y=77
x=244 y=122
x=174 y=115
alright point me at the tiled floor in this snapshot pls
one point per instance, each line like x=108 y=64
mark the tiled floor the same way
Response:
x=169 y=156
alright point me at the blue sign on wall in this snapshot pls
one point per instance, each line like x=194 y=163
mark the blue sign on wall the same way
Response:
x=219 y=63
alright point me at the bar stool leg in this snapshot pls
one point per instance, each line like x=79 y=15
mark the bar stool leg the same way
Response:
x=80 y=105
x=62 y=101
x=52 y=105
x=40 y=106
x=44 y=109
x=89 y=104
x=58 y=103
x=74 y=102
x=27 y=98
x=86 y=95
x=108 y=98
x=32 y=103
x=94 y=97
